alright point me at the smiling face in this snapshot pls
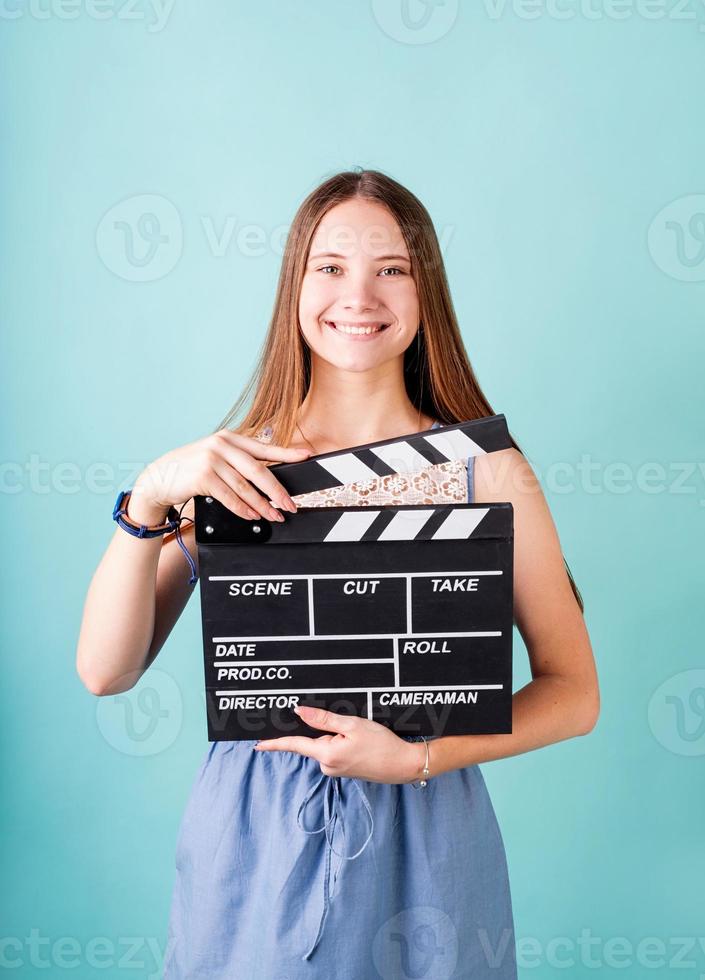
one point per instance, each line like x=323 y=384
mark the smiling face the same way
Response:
x=358 y=306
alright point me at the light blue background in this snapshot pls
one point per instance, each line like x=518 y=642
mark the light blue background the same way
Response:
x=545 y=151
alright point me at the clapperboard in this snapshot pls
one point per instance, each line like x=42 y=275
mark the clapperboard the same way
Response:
x=402 y=614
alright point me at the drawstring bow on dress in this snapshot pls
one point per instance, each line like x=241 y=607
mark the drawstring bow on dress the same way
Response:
x=331 y=814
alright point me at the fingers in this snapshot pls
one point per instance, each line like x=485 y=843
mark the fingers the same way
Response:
x=290 y=743
x=241 y=464
x=258 y=505
x=328 y=721
x=234 y=492
x=256 y=451
x=223 y=492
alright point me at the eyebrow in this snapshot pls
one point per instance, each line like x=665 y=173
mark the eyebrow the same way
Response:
x=379 y=258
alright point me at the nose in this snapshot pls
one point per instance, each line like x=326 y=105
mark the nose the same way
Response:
x=360 y=293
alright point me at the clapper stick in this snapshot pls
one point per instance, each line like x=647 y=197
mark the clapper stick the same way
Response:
x=406 y=455
x=402 y=614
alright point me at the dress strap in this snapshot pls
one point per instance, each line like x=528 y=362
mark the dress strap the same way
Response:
x=471 y=479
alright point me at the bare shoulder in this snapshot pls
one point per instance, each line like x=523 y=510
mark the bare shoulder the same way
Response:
x=500 y=475
x=507 y=475
x=545 y=608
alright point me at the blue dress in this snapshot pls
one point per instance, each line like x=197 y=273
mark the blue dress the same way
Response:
x=283 y=873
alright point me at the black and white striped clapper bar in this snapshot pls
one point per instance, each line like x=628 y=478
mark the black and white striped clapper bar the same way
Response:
x=402 y=614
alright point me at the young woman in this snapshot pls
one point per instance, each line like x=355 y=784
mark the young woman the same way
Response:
x=363 y=346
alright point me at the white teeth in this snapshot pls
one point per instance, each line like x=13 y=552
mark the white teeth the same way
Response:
x=352 y=329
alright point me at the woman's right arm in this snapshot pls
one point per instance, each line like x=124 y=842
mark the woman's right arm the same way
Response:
x=140 y=586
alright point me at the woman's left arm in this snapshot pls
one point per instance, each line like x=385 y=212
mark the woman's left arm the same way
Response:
x=562 y=699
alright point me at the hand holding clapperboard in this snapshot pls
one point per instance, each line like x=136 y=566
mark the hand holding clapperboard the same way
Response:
x=401 y=614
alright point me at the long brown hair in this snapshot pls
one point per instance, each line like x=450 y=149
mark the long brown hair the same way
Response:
x=439 y=378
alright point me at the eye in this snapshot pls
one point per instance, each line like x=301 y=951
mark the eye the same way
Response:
x=390 y=268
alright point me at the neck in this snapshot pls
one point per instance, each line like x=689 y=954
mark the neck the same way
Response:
x=350 y=408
